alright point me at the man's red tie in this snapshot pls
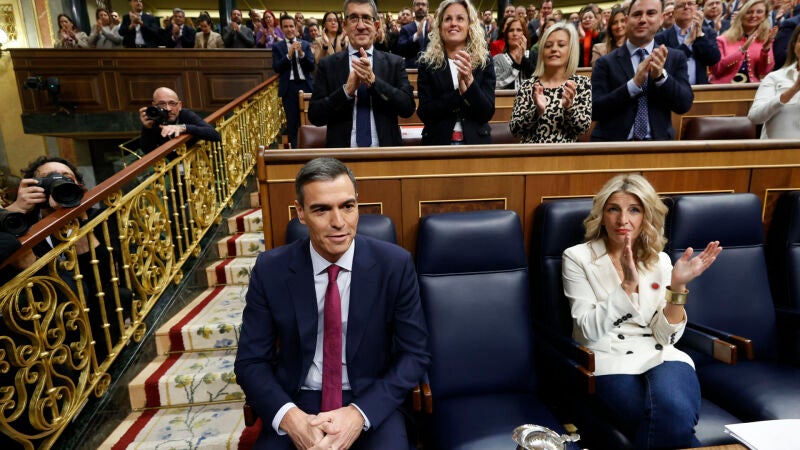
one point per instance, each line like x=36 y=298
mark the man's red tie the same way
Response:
x=332 y=345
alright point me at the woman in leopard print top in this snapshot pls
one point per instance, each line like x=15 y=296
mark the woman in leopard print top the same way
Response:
x=554 y=105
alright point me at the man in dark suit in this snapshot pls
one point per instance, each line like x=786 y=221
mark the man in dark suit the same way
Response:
x=345 y=310
x=535 y=25
x=293 y=59
x=713 y=16
x=236 y=35
x=413 y=37
x=781 y=44
x=693 y=39
x=177 y=34
x=636 y=87
x=139 y=29
x=378 y=78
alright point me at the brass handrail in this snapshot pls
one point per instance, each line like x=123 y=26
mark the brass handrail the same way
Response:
x=68 y=315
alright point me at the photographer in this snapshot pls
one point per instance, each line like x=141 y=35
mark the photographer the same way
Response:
x=51 y=183
x=167 y=119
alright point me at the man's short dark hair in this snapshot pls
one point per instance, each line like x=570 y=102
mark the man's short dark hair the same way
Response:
x=285 y=17
x=630 y=7
x=321 y=169
x=371 y=3
x=30 y=171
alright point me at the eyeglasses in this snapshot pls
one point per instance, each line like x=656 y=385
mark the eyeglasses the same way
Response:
x=353 y=19
x=171 y=104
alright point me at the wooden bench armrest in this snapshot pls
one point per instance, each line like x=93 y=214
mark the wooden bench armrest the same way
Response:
x=744 y=346
x=710 y=345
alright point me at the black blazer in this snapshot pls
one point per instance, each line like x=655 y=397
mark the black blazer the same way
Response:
x=150 y=31
x=440 y=105
x=615 y=110
x=282 y=65
x=705 y=50
x=407 y=47
x=780 y=47
x=391 y=96
x=188 y=35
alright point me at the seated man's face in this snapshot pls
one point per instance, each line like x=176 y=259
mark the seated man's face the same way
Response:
x=330 y=211
x=169 y=101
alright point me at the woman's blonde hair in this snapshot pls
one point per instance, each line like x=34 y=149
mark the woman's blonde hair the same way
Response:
x=572 y=61
x=651 y=238
x=736 y=32
x=435 y=55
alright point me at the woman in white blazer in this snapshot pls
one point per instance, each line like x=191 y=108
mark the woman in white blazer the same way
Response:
x=627 y=306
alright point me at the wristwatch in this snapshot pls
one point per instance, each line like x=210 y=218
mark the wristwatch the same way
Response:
x=662 y=76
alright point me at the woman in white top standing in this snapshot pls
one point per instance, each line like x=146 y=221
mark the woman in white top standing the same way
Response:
x=777 y=104
x=627 y=302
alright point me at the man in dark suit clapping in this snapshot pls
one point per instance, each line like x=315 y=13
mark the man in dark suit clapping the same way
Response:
x=139 y=29
x=636 y=87
x=360 y=92
x=293 y=59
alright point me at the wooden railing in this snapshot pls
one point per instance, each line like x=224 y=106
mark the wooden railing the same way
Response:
x=67 y=316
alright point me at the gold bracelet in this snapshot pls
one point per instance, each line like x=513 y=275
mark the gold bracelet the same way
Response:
x=676 y=298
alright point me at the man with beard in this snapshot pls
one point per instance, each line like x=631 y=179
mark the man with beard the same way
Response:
x=413 y=38
x=237 y=35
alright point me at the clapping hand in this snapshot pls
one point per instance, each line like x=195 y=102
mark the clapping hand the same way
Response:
x=657 y=60
x=463 y=63
x=568 y=96
x=687 y=268
x=539 y=99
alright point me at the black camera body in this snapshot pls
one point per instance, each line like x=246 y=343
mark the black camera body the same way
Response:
x=13 y=222
x=63 y=190
x=159 y=116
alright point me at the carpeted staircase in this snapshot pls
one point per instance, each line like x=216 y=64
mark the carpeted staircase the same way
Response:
x=187 y=398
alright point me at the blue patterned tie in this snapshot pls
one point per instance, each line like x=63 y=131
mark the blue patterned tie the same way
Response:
x=363 y=127
x=642 y=119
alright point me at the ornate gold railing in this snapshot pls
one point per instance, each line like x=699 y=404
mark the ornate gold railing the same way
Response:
x=67 y=317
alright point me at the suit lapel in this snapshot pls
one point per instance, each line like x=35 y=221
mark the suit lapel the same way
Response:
x=624 y=62
x=343 y=66
x=602 y=267
x=300 y=285
x=363 y=295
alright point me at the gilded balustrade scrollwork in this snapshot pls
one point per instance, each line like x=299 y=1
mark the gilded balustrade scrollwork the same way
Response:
x=66 y=318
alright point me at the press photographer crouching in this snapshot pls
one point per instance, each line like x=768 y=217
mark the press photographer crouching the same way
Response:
x=166 y=119
x=52 y=183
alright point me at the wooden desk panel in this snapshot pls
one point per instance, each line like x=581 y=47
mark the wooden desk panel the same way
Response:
x=520 y=177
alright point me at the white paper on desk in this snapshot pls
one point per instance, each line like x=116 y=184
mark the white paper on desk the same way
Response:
x=767 y=434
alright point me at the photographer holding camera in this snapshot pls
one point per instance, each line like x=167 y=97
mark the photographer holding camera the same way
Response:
x=166 y=119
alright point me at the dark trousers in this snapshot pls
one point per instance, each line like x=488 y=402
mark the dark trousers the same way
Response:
x=658 y=409
x=390 y=435
x=291 y=104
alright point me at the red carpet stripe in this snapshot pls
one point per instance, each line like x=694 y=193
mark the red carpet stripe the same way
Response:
x=175 y=336
x=232 y=245
x=220 y=271
x=151 y=385
x=129 y=436
x=240 y=220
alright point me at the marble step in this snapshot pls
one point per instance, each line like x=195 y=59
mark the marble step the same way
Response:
x=230 y=271
x=183 y=379
x=241 y=244
x=248 y=221
x=211 y=321
x=218 y=426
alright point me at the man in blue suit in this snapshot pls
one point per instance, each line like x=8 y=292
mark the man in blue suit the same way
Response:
x=282 y=362
x=627 y=84
x=293 y=60
x=413 y=37
x=139 y=29
x=781 y=45
x=695 y=40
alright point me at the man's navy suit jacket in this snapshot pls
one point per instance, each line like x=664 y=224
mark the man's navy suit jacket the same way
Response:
x=386 y=351
x=615 y=110
x=410 y=48
x=705 y=50
x=282 y=65
x=391 y=96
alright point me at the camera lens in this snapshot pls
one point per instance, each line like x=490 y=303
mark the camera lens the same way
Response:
x=13 y=222
x=66 y=193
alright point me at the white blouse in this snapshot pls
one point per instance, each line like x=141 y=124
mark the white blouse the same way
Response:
x=781 y=120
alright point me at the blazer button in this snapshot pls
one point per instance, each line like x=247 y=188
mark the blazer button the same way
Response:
x=621 y=336
x=659 y=346
x=629 y=352
x=616 y=323
x=628 y=316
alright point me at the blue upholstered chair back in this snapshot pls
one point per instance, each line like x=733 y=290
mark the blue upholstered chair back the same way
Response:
x=783 y=251
x=557 y=225
x=474 y=290
x=733 y=294
x=376 y=226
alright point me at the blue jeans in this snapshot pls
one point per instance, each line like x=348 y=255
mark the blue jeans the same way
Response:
x=657 y=409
